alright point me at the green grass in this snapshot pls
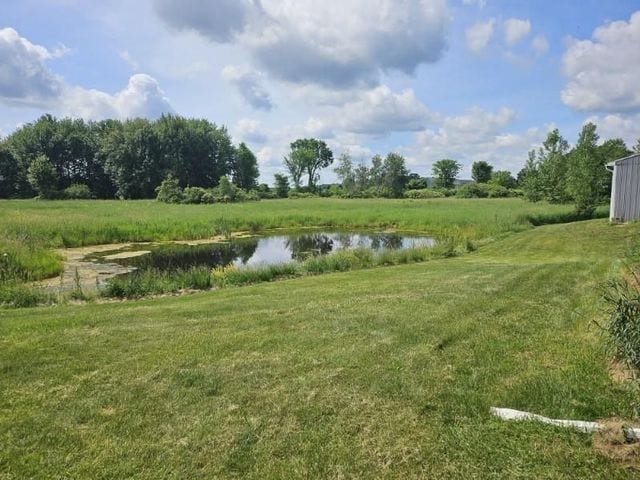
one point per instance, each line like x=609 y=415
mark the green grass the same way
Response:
x=380 y=373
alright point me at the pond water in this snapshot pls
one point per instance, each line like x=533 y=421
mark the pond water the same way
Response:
x=253 y=251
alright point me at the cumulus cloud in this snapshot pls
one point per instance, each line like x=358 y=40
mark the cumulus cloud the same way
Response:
x=25 y=79
x=380 y=111
x=479 y=35
x=603 y=72
x=24 y=76
x=625 y=126
x=515 y=29
x=476 y=135
x=338 y=43
x=248 y=83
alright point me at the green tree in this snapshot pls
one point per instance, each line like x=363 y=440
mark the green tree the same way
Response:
x=552 y=167
x=503 y=178
x=584 y=171
x=346 y=173
x=445 y=171
x=134 y=158
x=636 y=147
x=395 y=175
x=295 y=163
x=226 y=189
x=610 y=150
x=169 y=190
x=481 y=171
x=416 y=182
x=282 y=185
x=245 y=168
x=313 y=155
x=8 y=173
x=42 y=176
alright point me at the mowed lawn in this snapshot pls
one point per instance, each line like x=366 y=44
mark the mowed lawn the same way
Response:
x=381 y=373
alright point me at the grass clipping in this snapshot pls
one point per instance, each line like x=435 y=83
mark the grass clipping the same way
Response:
x=610 y=442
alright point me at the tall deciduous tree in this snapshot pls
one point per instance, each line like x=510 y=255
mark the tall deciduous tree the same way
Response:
x=295 y=163
x=585 y=170
x=42 y=176
x=245 y=168
x=445 y=171
x=346 y=173
x=314 y=155
x=395 y=175
x=481 y=171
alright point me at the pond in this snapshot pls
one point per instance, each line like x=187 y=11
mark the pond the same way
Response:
x=254 y=251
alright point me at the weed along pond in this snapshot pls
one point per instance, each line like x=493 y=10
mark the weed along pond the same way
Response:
x=150 y=268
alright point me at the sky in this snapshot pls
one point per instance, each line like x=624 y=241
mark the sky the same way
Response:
x=429 y=79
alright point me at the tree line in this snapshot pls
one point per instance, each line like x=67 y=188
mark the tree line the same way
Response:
x=125 y=159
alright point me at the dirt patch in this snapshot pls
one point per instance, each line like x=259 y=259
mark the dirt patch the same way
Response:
x=620 y=372
x=611 y=443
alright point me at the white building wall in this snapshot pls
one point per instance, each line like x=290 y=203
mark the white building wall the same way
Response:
x=625 y=190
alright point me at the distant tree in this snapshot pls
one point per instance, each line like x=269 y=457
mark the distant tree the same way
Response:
x=445 y=171
x=376 y=172
x=362 y=178
x=416 y=182
x=245 y=168
x=346 y=173
x=395 y=175
x=42 y=176
x=503 y=178
x=282 y=185
x=134 y=158
x=584 y=171
x=313 y=155
x=481 y=171
x=295 y=163
x=529 y=179
x=8 y=173
x=636 y=147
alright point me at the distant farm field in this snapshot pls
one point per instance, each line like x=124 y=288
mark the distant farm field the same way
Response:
x=381 y=373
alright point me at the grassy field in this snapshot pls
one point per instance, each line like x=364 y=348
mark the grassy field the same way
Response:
x=30 y=229
x=380 y=373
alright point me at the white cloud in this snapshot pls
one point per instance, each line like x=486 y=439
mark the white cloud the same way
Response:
x=479 y=35
x=479 y=3
x=476 y=135
x=336 y=42
x=25 y=79
x=24 y=76
x=625 y=126
x=515 y=29
x=248 y=130
x=603 y=72
x=380 y=111
x=540 y=45
x=248 y=82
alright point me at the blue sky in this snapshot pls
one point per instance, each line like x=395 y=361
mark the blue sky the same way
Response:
x=430 y=79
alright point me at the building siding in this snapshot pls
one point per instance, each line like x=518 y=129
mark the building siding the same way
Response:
x=625 y=192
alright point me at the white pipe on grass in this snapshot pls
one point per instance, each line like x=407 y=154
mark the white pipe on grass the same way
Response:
x=630 y=433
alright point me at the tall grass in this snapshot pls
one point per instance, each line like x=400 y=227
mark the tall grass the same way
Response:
x=340 y=261
x=155 y=282
x=623 y=296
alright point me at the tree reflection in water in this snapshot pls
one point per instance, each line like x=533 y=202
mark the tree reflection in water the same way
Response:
x=312 y=245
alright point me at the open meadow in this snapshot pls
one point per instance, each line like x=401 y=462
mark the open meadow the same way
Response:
x=386 y=372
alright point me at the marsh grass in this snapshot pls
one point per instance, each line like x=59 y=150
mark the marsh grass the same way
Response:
x=155 y=282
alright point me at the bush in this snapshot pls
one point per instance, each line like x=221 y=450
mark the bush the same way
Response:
x=169 y=191
x=473 y=190
x=623 y=295
x=424 y=193
x=77 y=191
x=498 y=191
x=294 y=194
x=193 y=195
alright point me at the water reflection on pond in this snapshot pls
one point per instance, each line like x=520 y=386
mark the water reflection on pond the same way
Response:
x=264 y=250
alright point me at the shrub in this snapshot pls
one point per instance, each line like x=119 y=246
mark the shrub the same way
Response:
x=169 y=191
x=77 y=191
x=293 y=194
x=473 y=190
x=193 y=195
x=424 y=193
